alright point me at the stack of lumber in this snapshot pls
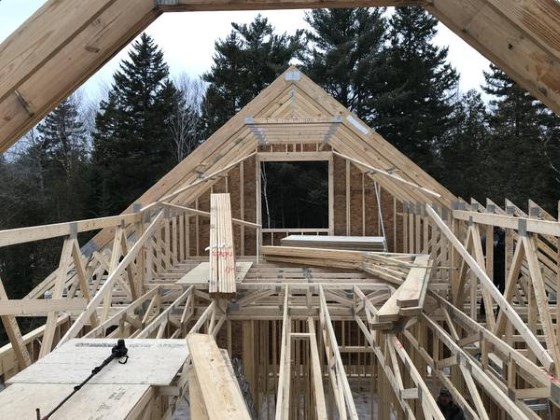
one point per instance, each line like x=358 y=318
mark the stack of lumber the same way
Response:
x=389 y=267
x=356 y=243
x=408 y=299
x=222 y=258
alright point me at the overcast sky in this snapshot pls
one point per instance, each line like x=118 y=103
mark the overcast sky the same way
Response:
x=188 y=40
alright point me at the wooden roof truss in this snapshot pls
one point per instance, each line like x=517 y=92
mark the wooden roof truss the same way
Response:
x=309 y=324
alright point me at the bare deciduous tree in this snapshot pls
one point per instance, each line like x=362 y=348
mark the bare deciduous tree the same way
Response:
x=184 y=124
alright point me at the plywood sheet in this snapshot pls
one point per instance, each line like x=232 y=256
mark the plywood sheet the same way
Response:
x=92 y=402
x=200 y=274
x=150 y=362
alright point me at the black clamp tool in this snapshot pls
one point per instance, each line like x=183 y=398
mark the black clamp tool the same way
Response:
x=117 y=352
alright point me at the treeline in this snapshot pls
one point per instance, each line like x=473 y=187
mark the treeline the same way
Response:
x=81 y=162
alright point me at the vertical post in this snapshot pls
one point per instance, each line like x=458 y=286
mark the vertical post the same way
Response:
x=348 y=216
x=249 y=355
x=405 y=226
x=197 y=231
x=395 y=249
x=242 y=205
x=364 y=206
x=258 y=198
x=331 y=195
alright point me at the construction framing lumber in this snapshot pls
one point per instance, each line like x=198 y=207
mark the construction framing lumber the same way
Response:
x=307 y=332
x=520 y=38
x=217 y=388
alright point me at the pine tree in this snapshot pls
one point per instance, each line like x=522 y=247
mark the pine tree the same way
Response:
x=466 y=151
x=343 y=52
x=413 y=109
x=247 y=61
x=133 y=145
x=63 y=144
x=518 y=161
x=551 y=147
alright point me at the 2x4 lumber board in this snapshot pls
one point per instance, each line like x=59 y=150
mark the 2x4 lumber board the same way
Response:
x=387 y=174
x=505 y=307
x=542 y=300
x=109 y=283
x=80 y=52
x=413 y=289
x=116 y=255
x=202 y=5
x=316 y=373
x=514 y=35
x=293 y=156
x=217 y=384
x=37 y=233
x=14 y=333
x=542 y=227
x=284 y=375
x=102 y=402
x=40 y=307
x=52 y=315
x=431 y=409
x=151 y=362
x=335 y=363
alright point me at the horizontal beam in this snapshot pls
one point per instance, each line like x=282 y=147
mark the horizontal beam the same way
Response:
x=40 y=306
x=293 y=156
x=542 y=227
x=212 y=5
x=37 y=233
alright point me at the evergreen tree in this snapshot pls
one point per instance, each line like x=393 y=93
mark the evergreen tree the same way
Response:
x=414 y=109
x=466 y=151
x=551 y=146
x=518 y=161
x=343 y=51
x=247 y=61
x=63 y=150
x=133 y=144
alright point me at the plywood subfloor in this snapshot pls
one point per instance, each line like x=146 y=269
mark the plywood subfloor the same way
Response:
x=92 y=402
x=151 y=362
